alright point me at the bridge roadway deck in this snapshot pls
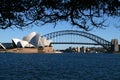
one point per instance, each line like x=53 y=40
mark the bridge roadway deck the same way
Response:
x=76 y=43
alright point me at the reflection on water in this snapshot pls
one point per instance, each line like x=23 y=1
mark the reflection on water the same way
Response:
x=59 y=66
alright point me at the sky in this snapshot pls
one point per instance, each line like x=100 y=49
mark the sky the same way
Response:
x=110 y=32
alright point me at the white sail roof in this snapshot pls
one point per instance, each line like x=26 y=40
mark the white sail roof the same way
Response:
x=44 y=42
x=35 y=40
x=23 y=43
x=2 y=46
x=29 y=37
x=15 y=41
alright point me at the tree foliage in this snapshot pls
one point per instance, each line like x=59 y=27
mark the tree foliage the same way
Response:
x=81 y=13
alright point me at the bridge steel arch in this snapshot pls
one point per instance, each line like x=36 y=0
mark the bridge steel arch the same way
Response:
x=100 y=41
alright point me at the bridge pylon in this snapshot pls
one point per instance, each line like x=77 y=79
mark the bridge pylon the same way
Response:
x=114 y=45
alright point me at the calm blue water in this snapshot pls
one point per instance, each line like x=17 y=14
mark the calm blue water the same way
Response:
x=59 y=66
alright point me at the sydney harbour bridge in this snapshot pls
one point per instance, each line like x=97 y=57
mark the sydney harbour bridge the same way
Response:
x=74 y=37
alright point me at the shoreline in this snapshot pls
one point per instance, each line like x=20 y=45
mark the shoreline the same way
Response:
x=47 y=50
x=28 y=50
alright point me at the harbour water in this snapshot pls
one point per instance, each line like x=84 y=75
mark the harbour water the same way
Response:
x=67 y=66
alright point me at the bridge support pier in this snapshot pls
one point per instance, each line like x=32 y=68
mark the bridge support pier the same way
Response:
x=115 y=46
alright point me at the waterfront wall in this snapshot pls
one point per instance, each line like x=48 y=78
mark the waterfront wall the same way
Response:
x=31 y=50
x=46 y=50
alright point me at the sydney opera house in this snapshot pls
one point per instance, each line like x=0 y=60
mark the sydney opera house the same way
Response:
x=31 y=41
